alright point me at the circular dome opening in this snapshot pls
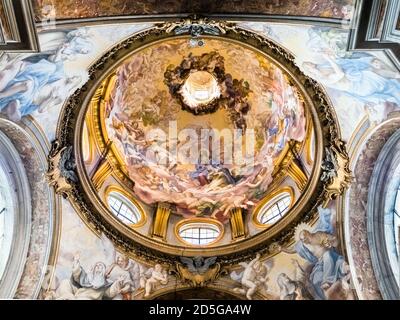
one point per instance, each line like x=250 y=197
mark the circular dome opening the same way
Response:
x=200 y=88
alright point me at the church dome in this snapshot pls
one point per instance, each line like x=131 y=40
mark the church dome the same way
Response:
x=207 y=149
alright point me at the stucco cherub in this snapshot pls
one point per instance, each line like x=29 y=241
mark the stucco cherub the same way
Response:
x=157 y=275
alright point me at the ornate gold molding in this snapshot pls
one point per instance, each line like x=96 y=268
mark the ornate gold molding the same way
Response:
x=196 y=279
x=295 y=171
x=101 y=174
x=238 y=227
x=336 y=171
x=195 y=26
x=61 y=172
x=160 y=222
x=309 y=144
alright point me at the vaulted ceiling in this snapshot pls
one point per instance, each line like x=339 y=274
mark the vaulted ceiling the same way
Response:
x=122 y=120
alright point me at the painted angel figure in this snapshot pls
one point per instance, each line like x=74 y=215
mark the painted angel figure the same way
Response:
x=130 y=272
x=114 y=276
x=366 y=78
x=65 y=45
x=253 y=277
x=21 y=83
x=120 y=267
x=92 y=285
x=317 y=246
x=154 y=276
x=37 y=82
x=293 y=289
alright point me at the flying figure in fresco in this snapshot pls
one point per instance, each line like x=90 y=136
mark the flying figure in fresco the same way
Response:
x=356 y=78
x=293 y=289
x=38 y=81
x=253 y=277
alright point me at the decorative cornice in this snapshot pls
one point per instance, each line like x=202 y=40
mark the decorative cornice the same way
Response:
x=198 y=279
x=195 y=26
x=336 y=171
x=365 y=19
x=61 y=173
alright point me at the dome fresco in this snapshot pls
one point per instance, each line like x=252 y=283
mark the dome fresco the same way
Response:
x=208 y=131
x=155 y=150
x=210 y=162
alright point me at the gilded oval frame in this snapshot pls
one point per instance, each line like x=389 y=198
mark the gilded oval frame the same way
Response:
x=89 y=206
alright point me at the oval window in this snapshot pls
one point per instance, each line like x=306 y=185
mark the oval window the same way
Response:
x=275 y=209
x=123 y=208
x=199 y=233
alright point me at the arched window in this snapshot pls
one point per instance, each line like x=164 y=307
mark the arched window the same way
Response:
x=275 y=209
x=6 y=219
x=15 y=217
x=199 y=233
x=396 y=222
x=123 y=208
x=383 y=218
